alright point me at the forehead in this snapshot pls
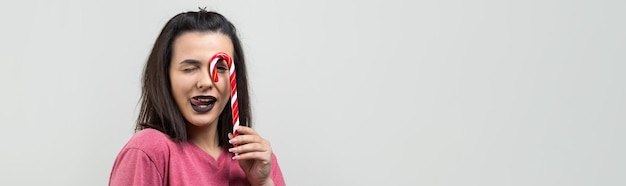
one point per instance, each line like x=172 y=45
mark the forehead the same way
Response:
x=201 y=45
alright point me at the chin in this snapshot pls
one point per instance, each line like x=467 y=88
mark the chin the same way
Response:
x=201 y=121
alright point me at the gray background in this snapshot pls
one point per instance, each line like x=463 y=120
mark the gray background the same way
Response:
x=353 y=92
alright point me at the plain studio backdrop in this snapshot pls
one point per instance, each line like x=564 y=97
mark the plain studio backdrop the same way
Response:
x=353 y=92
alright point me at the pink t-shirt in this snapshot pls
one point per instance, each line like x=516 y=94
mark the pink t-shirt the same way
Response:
x=152 y=158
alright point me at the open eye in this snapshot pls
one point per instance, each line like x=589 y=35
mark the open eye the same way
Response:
x=221 y=66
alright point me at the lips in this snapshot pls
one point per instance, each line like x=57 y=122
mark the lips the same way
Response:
x=203 y=104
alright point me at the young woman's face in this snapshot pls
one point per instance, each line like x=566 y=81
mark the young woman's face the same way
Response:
x=199 y=99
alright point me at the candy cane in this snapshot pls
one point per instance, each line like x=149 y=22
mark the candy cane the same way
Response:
x=233 y=85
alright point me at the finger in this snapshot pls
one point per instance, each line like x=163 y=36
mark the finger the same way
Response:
x=245 y=139
x=230 y=136
x=265 y=158
x=250 y=147
x=246 y=130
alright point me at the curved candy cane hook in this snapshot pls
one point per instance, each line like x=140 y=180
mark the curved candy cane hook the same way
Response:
x=233 y=85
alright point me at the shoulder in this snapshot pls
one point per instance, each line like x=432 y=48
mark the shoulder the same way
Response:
x=143 y=160
x=149 y=147
x=152 y=142
x=276 y=174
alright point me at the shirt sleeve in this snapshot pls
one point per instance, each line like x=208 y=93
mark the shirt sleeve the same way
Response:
x=134 y=167
x=276 y=175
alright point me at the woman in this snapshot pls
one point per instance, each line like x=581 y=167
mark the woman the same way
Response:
x=185 y=127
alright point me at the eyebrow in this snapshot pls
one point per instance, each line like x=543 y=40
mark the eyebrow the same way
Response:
x=190 y=61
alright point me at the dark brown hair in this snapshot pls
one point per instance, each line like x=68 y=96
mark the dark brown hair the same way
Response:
x=158 y=108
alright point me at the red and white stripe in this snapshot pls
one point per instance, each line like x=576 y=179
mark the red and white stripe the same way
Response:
x=233 y=84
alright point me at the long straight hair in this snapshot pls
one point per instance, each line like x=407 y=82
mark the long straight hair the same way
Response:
x=158 y=109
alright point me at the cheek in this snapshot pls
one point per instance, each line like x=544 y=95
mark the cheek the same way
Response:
x=225 y=85
x=179 y=86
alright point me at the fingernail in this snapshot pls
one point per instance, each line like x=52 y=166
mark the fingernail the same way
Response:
x=232 y=141
x=231 y=149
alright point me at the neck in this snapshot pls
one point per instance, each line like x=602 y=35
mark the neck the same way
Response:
x=204 y=137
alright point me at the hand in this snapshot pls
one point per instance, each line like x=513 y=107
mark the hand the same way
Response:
x=254 y=154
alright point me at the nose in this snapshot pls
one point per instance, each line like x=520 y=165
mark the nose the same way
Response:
x=204 y=80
